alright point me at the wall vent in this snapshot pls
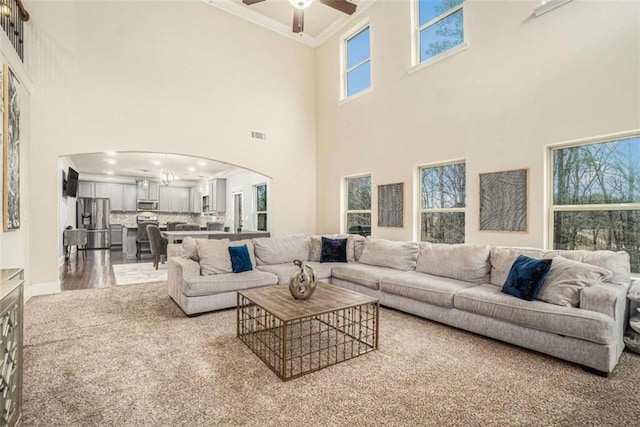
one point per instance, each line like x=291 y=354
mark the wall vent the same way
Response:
x=258 y=136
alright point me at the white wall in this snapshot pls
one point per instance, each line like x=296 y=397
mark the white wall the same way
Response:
x=245 y=181
x=177 y=77
x=14 y=245
x=524 y=83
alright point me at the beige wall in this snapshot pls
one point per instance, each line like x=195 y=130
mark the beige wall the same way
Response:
x=524 y=83
x=179 y=77
x=14 y=245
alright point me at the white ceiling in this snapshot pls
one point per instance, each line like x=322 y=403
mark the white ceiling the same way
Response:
x=320 y=21
x=125 y=165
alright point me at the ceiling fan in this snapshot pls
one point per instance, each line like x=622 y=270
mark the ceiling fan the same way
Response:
x=300 y=5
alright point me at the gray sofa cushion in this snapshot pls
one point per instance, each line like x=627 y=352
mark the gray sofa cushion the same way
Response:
x=284 y=271
x=363 y=274
x=315 y=246
x=214 y=256
x=502 y=258
x=358 y=246
x=190 y=248
x=424 y=287
x=389 y=253
x=565 y=280
x=281 y=250
x=221 y=283
x=617 y=262
x=468 y=262
x=488 y=300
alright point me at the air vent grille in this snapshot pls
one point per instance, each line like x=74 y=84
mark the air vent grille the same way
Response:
x=259 y=136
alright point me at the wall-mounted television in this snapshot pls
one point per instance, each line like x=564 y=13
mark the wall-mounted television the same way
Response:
x=71 y=187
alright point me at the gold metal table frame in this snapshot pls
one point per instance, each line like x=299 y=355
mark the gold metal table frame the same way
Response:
x=297 y=337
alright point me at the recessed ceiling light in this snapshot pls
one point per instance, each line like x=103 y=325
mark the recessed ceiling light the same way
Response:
x=110 y=161
x=109 y=172
x=191 y=169
x=176 y=177
x=156 y=162
x=111 y=153
x=202 y=163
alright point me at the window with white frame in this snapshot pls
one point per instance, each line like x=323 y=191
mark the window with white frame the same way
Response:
x=261 y=207
x=439 y=27
x=356 y=62
x=596 y=197
x=358 y=204
x=442 y=203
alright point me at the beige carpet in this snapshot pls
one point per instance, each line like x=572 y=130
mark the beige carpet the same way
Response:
x=127 y=356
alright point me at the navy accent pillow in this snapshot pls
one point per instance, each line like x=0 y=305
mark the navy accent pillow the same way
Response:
x=333 y=250
x=240 y=259
x=526 y=277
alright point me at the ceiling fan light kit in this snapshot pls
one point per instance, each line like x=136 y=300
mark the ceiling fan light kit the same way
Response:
x=300 y=5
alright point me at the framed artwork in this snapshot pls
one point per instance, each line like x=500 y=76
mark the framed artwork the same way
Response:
x=391 y=205
x=504 y=201
x=11 y=151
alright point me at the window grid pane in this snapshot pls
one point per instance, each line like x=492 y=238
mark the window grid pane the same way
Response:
x=359 y=223
x=606 y=173
x=358 y=48
x=441 y=36
x=262 y=222
x=442 y=227
x=359 y=79
x=261 y=198
x=431 y=9
x=359 y=193
x=442 y=188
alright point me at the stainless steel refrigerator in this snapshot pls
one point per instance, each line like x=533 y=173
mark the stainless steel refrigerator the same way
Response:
x=93 y=215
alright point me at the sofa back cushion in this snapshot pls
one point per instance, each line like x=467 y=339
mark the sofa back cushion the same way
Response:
x=315 y=246
x=190 y=249
x=358 y=245
x=389 y=253
x=618 y=263
x=467 y=262
x=567 y=278
x=214 y=256
x=281 y=250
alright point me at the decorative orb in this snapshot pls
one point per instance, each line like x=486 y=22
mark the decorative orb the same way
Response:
x=302 y=283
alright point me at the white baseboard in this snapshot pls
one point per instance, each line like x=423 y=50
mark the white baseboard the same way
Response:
x=37 y=289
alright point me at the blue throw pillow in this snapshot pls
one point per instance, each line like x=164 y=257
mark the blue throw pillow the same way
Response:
x=333 y=250
x=240 y=259
x=526 y=277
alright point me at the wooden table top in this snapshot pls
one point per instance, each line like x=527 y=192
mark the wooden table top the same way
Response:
x=327 y=298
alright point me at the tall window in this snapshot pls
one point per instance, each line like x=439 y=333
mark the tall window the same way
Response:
x=357 y=63
x=439 y=27
x=596 y=197
x=358 y=215
x=261 y=206
x=442 y=203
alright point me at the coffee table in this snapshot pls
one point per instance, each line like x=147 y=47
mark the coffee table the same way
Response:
x=296 y=337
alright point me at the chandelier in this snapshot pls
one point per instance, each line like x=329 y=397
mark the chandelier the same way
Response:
x=166 y=176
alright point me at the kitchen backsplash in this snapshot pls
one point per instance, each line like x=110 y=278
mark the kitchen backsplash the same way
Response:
x=130 y=218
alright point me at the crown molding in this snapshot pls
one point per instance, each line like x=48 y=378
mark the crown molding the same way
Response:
x=244 y=12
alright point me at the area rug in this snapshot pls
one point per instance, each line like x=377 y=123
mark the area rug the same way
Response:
x=128 y=356
x=129 y=274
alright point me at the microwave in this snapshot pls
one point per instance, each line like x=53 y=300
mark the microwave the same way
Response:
x=147 y=206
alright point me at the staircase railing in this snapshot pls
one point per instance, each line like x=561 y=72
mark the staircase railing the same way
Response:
x=13 y=15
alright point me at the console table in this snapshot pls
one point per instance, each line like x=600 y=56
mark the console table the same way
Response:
x=11 y=301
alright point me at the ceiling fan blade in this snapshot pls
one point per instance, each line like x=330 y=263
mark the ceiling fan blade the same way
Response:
x=298 y=20
x=341 y=5
x=250 y=2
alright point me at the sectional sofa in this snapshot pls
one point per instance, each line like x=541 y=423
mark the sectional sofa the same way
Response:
x=458 y=285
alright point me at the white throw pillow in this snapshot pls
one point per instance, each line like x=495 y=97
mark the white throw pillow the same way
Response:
x=565 y=280
x=214 y=256
x=389 y=253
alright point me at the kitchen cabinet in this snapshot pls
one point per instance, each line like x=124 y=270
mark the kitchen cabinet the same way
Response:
x=86 y=189
x=196 y=200
x=102 y=190
x=130 y=196
x=148 y=193
x=218 y=195
x=116 y=194
x=174 y=199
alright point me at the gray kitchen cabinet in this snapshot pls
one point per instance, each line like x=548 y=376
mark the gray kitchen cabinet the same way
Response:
x=164 y=200
x=86 y=189
x=196 y=200
x=180 y=200
x=148 y=193
x=102 y=190
x=130 y=196
x=218 y=195
x=116 y=195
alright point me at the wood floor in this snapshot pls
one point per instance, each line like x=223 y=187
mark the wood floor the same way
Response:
x=94 y=271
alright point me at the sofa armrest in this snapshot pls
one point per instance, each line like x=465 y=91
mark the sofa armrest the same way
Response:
x=174 y=249
x=178 y=269
x=604 y=298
